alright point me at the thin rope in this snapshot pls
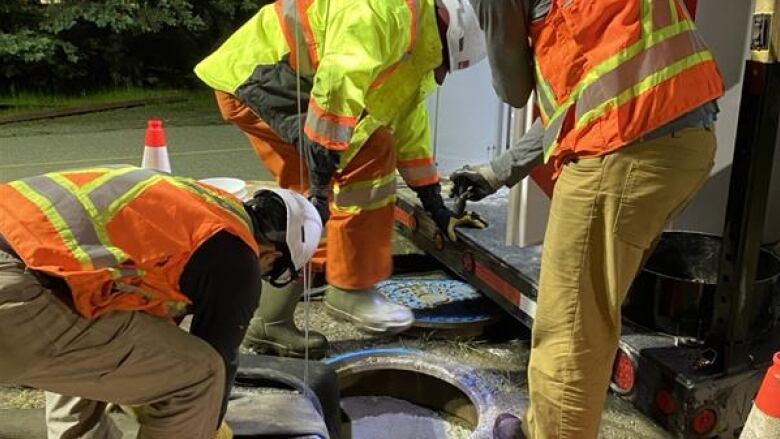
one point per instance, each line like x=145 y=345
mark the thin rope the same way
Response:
x=301 y=166
x=307 y=266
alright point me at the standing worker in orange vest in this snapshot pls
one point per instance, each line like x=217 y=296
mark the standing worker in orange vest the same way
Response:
x=626 y=90
x=354 y=74
x=94 y=265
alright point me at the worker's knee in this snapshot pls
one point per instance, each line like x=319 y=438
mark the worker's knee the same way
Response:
x=212 y=365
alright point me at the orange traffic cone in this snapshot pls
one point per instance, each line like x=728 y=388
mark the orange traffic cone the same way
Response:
x=764 y=419
x=155 y=147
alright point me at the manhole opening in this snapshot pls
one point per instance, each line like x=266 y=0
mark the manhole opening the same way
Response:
x=417 y=388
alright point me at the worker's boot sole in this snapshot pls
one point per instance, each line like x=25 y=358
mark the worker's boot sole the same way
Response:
x=367 y=327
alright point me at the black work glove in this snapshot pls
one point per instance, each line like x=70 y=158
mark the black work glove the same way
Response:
x=445 y=219
x=322 y=164
x=474 y=182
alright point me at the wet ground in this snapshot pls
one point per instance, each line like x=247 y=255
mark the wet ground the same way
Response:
x=202 y=146
x=500 y=362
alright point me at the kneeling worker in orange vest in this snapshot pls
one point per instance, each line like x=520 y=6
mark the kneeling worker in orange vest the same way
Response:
x=96 y=263
x=331 y=94
x=626 y=90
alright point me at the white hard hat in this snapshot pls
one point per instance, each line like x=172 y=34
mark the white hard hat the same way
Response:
x=465 y=40
x=304 y=226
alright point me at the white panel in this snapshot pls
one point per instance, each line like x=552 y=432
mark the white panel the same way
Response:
x=467 y=125
x=528 y=205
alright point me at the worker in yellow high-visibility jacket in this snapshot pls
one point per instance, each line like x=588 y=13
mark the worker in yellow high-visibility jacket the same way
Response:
x=331 y=94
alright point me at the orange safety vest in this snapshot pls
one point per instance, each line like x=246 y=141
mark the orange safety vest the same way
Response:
x=610 y=71
x=120 y=236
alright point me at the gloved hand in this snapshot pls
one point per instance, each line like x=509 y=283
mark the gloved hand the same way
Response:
x=445 y=219
x=447 y=222
x=224 y=432
x=320 y=203
x=134 y=411
x=477 y=182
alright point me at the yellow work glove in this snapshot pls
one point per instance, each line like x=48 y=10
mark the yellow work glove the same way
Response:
x=134 y=411
x=445 y=219
x=224 y=432
x=448 y=222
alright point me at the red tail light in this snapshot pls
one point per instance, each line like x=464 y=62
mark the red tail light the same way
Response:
x=623 y=373
x=665 y=402
x=704 y=421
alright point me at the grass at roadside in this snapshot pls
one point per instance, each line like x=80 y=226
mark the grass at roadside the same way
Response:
x=190 y=108
x=29 y=101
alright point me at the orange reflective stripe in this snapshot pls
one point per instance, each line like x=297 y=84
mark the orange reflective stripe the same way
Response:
x=330 y=130
x=418 y=172
x=297 y=31
x=311 y=44
x=414 y=8
x=414 y=30
x=385 y=75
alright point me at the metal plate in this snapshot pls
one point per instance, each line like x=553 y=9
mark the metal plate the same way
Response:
x=440 y=303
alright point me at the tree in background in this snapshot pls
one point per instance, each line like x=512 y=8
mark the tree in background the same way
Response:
x=79 y=45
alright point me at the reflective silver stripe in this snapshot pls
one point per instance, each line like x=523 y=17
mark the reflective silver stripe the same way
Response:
x=77 y=219
x=113 y=189
x=412 y=174
x=123 y=272
x=631 y=72
x=328 y=129
x=363 y=196
x=551 y=133
x=662 y=14
x=295 y=24
x=216 y=198
x=544 y=102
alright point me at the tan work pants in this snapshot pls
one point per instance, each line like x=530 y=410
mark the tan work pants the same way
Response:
x=124 y=357
x=605 y=216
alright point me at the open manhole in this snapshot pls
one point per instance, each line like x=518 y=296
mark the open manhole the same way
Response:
x=407 y=394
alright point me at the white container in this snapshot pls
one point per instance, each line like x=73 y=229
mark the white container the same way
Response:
x=234 y=186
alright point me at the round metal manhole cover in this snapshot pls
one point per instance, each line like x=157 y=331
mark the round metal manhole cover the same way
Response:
x=395 y=388
x=441 y=303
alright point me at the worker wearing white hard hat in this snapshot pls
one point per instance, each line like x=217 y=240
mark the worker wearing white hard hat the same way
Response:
x=88 y=296
x=360 y=71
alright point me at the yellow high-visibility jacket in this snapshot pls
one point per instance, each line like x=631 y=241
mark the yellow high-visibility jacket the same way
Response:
x=364 y=63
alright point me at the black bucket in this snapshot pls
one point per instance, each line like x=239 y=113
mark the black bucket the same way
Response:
x=675 y=291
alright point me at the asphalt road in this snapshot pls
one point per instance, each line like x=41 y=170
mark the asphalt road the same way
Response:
x=199 y=144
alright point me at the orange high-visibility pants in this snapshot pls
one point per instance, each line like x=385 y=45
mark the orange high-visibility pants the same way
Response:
x=359 y=232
